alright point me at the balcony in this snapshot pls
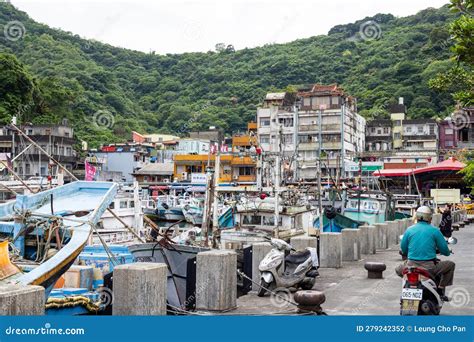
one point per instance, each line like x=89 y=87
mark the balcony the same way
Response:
x=308 y=146
x=225 y=178
x=244 y=140
x=243 y=161
x=249 y=178
x=324 y=128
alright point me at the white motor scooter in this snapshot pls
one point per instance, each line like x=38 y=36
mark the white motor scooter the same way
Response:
x=420 y=291
x=298 y=269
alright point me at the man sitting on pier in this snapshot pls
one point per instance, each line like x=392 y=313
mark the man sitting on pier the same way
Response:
x=421 y=242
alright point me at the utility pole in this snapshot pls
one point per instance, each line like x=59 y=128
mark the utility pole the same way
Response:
x=320 y=203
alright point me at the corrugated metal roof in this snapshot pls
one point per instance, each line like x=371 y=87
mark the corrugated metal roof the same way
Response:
x=156 y=169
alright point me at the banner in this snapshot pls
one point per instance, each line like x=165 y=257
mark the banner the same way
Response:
x=90 y=171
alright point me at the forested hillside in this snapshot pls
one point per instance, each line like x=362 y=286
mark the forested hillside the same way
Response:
x=47 y=74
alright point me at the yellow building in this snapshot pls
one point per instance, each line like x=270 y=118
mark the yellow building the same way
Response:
x=238 y=165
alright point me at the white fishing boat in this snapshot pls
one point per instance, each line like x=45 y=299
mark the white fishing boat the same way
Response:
x=126 y=210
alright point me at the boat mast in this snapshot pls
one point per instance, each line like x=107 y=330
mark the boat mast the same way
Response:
x=215 y=203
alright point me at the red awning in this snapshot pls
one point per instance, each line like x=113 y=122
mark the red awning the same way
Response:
x=393 y=172
x=450 y=164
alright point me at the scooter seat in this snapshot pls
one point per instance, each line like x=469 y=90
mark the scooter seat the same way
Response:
x=298 y=257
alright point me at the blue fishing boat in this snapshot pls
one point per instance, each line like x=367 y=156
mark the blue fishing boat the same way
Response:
x=43 y=233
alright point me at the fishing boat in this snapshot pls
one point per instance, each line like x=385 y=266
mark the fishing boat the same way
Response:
x=193 y=211
x=368 y=208
x=43 y=233
x=126 y=209
x=334 y=222
x=256 y=219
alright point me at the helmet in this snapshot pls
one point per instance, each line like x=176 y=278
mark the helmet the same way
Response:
x=424 y=213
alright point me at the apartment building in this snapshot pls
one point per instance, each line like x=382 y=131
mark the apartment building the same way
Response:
x=400 y=142
x=29 y=161
x=317 y=120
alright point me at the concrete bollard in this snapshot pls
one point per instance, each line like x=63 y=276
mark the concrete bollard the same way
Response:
x=330 y=255
x=393 y=233
x=373 y=238
x=350 y=244
x=216 y=280
x=364 y=239
x=259 y=250
x=390 y=233
x=21 y=300
x=140 y=289
x=382 y=229
x=301 y=242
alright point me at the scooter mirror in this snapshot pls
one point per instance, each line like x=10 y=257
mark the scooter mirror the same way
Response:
x=452 y=240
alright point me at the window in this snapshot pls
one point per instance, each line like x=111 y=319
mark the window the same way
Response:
x=112 y=205
x=432 y=129
x=420 y=129
x=304 y=139
x=246 y=171
x=372 y=129
x=286 y=122
x=379 y=131
x=287 y=139
x=268 y=220
x=132 y=204
x=264 y=122
x=252 y=219
x=385 y=130
x=68 y=151
x=264 y=139
x=123 y=204
x=66 y=134
x=409 y=129
x=397 y=135
x=397 y=122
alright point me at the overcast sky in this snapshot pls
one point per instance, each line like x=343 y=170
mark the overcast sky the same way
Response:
x=175 y=26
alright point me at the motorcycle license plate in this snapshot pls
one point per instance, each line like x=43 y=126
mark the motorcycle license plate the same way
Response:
x=412 y=294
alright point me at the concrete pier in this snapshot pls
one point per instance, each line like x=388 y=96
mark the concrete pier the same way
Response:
x=330 y=255
x=392 y=233
x=140 y=289
x=21 y=300
x=350 y=244
x=259 y=250
x=364 y=239
x=301 y=242
x=216 y=280
x=372 y=239
x=382 y=240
